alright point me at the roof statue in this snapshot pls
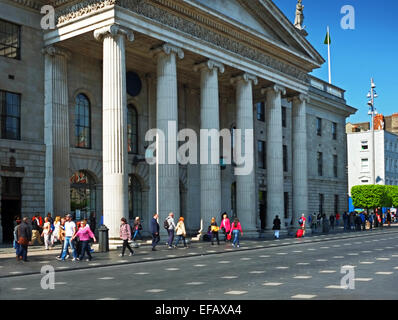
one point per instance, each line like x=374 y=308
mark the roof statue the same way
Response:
x=298 y=22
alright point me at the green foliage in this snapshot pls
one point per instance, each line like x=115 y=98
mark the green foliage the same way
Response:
x=393 y=195
x=371 y=196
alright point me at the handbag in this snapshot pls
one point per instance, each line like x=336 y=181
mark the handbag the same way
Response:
x=23 y=241
x=229 y=236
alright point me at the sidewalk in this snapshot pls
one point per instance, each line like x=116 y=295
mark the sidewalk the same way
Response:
x=38 y=257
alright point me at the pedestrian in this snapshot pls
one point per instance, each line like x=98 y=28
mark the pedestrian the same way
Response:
x=155 y=231
x=225 y=226
x=24 y=235
x=125 y=235
x=93 y=221
x=389 y=218
x=352 y=221
x=50 y=219
x=337 y=219
x=276 y=227
x=170 y=229
x=371 y=220
x=332 y=220
x=46 y=234
x=16 y=245
x=236 y=229
x=55 y=233
x=36 y=229
x=85 y=234
x=302 y=222
x=137 y=227
x=70 y=230
x=62 y=237
x=180 y=232
x=363 y=220
x=313 y=223
x=345 y=220
x=214 y=231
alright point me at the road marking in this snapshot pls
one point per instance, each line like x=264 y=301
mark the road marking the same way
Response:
x=338 y=257
x=325 y=247
x=336 y=246
x=384 y=273
x=106 y=278
x=225 y=262
x=142 y=273
x=366 y=262
x=155 y=290
x=327 y=271
x=383 y=259
x=310 y=249
x=282 y=253
x=62 y=267
x=200 y=265
x=363 y=279
x=394 y=255
x=272 y=284
x=229 y=277
x=194 y=283
x=366 y=251
x=245 y=259
x=172 y=269
x=265 y=256
x=18 y=289
x=322 y=260
x=257 y=272
x=304 y=296
x=15 y=272
x=389 y=247
x=282 y=268
x=302 y=277
x=108 y=299
x=236 y=292
x=379 y=249
x=303 y=263
x=352 y=254
x=211 y=251
x=297 y=251
x=335 y=287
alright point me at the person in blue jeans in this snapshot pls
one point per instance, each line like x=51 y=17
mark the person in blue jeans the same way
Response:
x=70 y=231
x=236 y=229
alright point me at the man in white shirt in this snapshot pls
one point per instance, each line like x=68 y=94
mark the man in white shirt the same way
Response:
x=70 y=230
x=170 y=230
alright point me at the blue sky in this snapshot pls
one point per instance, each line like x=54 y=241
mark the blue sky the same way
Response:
x=371 y=50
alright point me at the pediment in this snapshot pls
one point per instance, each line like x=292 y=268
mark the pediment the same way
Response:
x=264 y=18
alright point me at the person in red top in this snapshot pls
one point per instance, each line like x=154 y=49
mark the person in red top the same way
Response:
x=302 y=223
x=225 y=225
x=84 y=234
x=337 y=218
x=236 y=228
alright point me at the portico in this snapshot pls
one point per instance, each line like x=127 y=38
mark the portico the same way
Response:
x=193 y=65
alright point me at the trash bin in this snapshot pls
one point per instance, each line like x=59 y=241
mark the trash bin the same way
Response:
x=103 y=243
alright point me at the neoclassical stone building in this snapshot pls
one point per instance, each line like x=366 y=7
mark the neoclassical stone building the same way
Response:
x=78 y=100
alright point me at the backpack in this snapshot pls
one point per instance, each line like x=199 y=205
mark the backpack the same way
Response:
x=166 y=224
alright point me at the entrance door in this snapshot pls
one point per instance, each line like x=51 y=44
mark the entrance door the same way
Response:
x=10 y=206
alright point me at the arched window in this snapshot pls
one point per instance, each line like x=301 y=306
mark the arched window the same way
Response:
x=82 y=122
x=82 y=194
x=132 y=129
x=135 y=197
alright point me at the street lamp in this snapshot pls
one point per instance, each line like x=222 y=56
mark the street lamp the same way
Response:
x=372 y=95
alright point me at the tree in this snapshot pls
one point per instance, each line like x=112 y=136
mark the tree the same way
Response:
x=370 y=196
x=393 y=195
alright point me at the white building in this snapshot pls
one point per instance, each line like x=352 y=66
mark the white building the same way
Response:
x=361 y=155
x=73 y=124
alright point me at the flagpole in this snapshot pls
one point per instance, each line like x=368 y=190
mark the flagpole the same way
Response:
x=157 y=173
x=329 y=62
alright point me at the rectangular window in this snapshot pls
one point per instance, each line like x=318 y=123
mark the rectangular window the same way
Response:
x=10 y=111
x=364 y=145
x=334 y=131
x=10 y=40
x=335 y=169
x=319 y=126
x=284 y=117
x=320 y=164
x=285 y=159
x=262 y=163
x=365 y=164
x=321 y=202
x=286 y=204
x=260 y=111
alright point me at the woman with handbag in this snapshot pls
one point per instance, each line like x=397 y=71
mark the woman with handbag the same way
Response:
x=214 y=231
x=24 y=238
x=225 y=226
x=137 y=227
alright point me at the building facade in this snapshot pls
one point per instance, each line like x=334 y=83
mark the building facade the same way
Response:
x=78 y=100
x=361 y=155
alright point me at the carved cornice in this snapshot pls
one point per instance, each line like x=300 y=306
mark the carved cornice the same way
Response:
x=167 y=49
x=300 y=98
x=57 y=51
x=210 y=65
x=274 y=89
x=113 y=30
x=195 y=25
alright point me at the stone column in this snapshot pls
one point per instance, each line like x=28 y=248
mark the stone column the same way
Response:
x=299 y=146
x=275 y=198
x=114 y=122
x=167 y=122
x=56 y=131
x=246 y=182
x=210 y=175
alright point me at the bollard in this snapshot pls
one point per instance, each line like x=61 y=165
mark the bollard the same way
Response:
x=103 y=243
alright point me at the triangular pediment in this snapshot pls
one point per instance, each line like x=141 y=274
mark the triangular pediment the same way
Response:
x=263 y=18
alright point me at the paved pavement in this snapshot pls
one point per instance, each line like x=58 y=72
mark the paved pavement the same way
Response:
x=307 y=268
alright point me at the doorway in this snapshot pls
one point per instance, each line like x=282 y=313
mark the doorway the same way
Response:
x=10 y=206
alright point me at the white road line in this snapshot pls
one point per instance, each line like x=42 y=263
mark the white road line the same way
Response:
x=229 y=277
x=265 y=256
x=245 y=259
x=15 y=272
x=366 y=262
x=172 y=269
x=322 y=260
x=155 y=290
x=338 y=257
x=304 y=296
x=366 y=251
x=297 y=251
x=282 y=253
x=194 y=283
x=335 y=287
x=363 y=279
x=18 y=289
x=327 y=271
x=200 y=265
x=257 y=272
x=108 y=299
x=106 y=278
x=352 y=254
x=302 y=277
x=325 y=247
x=272 y=284
x=236 y=292
x=224 y=262
x=384 y=273
x=282 y=268
x=383 y=259
x=302 y=263
x=142 y=273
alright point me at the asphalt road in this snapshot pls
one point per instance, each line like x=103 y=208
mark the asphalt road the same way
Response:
x=298 y=270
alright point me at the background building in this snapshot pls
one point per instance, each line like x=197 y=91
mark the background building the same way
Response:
x=77 y=101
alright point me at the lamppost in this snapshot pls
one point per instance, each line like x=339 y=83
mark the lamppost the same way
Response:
x=372 y=95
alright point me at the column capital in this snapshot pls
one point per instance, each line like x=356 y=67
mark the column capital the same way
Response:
x=210 y=65
x=167 y=49
x=301 y=97
x=245 y=77
x=275 y=88
x=56 y=51
x=113 y=30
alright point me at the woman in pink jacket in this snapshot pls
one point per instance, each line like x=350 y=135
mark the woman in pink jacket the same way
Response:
x=225 y=225
x=84 y=234
x=125 y=235
x=236 y=228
